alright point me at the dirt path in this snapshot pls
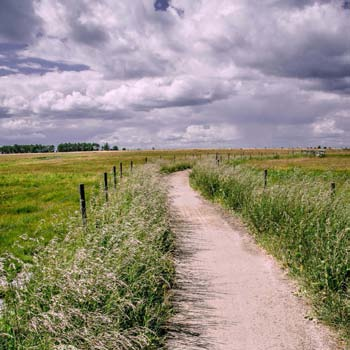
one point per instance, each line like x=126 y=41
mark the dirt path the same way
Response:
x=231 y=295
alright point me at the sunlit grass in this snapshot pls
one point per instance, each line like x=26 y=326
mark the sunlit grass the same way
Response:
x=329 y=163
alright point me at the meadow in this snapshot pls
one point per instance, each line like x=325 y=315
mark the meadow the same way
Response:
x=38 y=191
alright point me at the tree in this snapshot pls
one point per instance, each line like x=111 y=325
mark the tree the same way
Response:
x=78 y=147
x=106 y=147
x=27 y=149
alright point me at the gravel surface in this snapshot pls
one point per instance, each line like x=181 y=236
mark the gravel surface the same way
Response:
x=230 y=294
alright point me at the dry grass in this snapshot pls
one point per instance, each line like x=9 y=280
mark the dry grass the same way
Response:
x=329 y=163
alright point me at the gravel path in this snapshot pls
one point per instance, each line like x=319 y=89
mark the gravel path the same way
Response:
x=230 y=294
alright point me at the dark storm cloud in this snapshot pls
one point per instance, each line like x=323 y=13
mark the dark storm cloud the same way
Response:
x=181 y=101
x=18 y=21
x=339 y=86
x=299 y=45
x=301 y=3
x=4 y=113
x=90 y=113
x=88 y=34
x=11 y=62
x=319 y=57
x=85 y=32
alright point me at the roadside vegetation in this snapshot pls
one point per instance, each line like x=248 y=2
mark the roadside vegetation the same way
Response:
x=103 y=286
x=298 y=218
x=178 y=166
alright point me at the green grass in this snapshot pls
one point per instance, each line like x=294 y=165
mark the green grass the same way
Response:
x=39 y=191
x=298 y=220
x=177 y=166
x=105 y=286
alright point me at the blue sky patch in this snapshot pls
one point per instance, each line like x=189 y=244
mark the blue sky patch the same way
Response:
x=161 y=5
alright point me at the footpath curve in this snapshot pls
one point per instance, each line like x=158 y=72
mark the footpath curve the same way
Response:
x=230 y=294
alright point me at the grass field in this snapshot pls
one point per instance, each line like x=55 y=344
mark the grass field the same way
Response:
x=38 y=190
x=105 y=286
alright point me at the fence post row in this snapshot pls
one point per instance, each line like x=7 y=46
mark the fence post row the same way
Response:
x=106 y=185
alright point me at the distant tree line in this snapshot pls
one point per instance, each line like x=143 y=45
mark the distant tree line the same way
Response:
x=78 y=147
x=62 y=147
x=27 y=149
x=84 y=146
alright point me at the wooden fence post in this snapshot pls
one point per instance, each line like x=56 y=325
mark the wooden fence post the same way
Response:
x=121 y=169
x=115 y=177
x=106 y=185
x=131 y=166
x=333 y=188
x=265 y=178
x=146 y=160
x=83 y=203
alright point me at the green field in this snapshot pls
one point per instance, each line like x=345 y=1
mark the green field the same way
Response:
x=38 y=191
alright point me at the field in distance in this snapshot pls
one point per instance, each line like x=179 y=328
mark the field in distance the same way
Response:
x=38 y=191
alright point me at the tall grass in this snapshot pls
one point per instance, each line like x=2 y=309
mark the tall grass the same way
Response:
x=105 y=286
x=169 y=168
x=297 y=219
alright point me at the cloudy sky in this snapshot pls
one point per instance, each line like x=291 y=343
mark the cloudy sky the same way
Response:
x=181 y=73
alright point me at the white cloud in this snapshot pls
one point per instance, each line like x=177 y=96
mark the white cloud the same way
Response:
x=211 y=134
x=224 y=68
x=326 y=127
